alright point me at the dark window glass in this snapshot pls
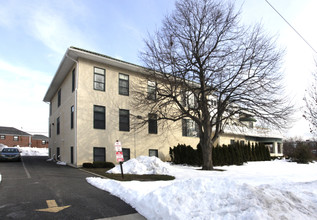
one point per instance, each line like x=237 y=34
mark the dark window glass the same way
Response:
x=123 y=84
x=73 y=79
x=151 y=90
x=126 y=154
x=189 y=128
x=99 y=154
x=58 y=153
x=57 y=126
x=153 y=152
x=99 y=117
x=59 y=97
x=152 y=124
x=124 y=120
x=99 y=79
x=71 y=155
x=72 y=109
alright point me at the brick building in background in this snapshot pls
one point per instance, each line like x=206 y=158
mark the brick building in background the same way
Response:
x=14 y=137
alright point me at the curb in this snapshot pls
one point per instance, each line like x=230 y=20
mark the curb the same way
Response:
x=93 y=173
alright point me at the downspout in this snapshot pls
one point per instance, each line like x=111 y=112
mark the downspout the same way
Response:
x=75 y=108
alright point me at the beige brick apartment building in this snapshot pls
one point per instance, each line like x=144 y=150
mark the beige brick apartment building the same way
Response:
x=90 y=108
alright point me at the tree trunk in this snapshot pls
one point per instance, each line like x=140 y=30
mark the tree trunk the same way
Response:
x=206 y=148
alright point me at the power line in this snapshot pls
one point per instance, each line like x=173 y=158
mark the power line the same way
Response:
x=291 y=26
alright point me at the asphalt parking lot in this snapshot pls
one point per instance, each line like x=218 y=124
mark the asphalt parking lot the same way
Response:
x=37 y=189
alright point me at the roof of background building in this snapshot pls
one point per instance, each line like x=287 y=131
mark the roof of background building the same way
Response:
x=12 y=131
x=39 y=137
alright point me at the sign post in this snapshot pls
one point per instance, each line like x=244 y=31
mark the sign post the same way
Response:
x=119 y=155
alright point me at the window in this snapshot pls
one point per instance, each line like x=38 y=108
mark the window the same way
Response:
x=124 y=120
x=99 y=154
x=2 y=137
x=232 y=142
x=123 y=84
x=152 y=124
x=72 y=109
x=16 y=138
x=73 y=79
x=59 y=97
x=189 y=99
x=126 y=154
x=57 y=126
x=242 y=143
x=44 y=142
x=99 y=79
x=71 y=155
x=151 y=90
x=153 y=152
x=99 y=117
x=190 y=128
x=58 y=153
x=270 y=146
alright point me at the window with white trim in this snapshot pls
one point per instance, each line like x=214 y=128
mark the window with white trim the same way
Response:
x=189 y=128
x=99 y=79
x=123 y=84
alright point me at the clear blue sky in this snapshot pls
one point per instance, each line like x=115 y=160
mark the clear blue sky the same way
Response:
x=35 y=34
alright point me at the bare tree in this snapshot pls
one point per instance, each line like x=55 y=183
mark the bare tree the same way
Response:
x=208 y=68
x=310 y=113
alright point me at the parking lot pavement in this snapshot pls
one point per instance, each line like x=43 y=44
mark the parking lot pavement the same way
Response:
x=36 y=189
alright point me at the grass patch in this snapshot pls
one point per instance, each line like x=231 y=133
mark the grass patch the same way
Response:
x=129 y=177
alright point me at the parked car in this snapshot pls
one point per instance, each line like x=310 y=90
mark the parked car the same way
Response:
x=10 y=154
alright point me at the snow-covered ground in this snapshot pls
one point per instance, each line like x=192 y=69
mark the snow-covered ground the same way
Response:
x=257 y=190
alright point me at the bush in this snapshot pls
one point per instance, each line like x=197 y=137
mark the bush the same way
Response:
x=302 y=154
x=100 y=164
x=185 y=154
x=235 y=154
x=88 y=165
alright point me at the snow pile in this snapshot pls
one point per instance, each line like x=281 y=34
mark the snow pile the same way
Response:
x=61 y=163
x=257 y=190
x=143 y=165
x=2 y=146
x=33 y=151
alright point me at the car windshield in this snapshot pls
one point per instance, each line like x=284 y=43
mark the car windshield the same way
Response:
x=10 y=150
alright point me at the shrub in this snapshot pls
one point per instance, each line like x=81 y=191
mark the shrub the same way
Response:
x=185 y=154
x=100 y=164
x=302 y=154
x=88 y=165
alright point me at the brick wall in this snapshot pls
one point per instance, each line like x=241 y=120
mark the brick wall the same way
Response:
x=39 y=144
x=22 y=141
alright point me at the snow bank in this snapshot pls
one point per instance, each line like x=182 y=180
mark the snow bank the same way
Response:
x=143 y=165
x=2 y=146
x=33 y=151
x=257 y=190
x=61 y=163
